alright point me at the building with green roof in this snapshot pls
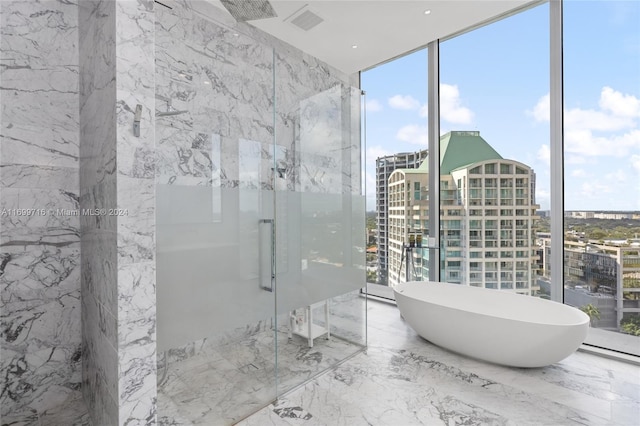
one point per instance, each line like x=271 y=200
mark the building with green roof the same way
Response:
x=487 y=221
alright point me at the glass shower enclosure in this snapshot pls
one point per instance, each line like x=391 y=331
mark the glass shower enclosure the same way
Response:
x=260 y=217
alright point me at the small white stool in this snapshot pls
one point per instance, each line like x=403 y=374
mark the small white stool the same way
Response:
x=305 y=327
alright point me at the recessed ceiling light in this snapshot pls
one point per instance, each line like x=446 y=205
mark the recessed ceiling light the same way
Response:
x=427 y=12
x=206 y=82
x=355 y=46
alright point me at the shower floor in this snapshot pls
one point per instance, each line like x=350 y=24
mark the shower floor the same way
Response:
x=222 y=385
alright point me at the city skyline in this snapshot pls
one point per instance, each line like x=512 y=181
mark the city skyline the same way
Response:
x=602 y=109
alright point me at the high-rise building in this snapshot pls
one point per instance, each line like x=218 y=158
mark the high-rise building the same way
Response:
x=603 y=275
x=487 y=217
x=384 y=167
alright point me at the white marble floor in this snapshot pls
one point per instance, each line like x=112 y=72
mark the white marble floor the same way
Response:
x=400 y=380
x=223 y=384
x=404 y=380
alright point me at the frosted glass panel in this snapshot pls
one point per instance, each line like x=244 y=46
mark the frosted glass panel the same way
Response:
x=320 y=221
x=258 y=186
x=208 y=271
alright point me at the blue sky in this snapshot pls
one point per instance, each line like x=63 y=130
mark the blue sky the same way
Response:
x=496 y=80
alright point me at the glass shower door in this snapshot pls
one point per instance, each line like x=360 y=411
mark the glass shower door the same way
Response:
x=320 y=222
x=215 y=219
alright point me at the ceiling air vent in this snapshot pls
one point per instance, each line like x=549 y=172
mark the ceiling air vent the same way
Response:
x=306 y=20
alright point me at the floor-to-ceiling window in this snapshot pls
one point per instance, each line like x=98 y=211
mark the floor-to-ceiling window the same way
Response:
x=602 y=168
x=494 y=155
x=396 y=96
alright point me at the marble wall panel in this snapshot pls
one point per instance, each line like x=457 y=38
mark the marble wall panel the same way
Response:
x=137 y=354
x=117 y=176
x=40 y=345
x=136 y=222
x=185 y=157
x=40 y=84
x=99 y=268
x=98 y=186
x=135 y=77
x=238 y=106
x=197 y=64
x=100 y=353
x=99 y=362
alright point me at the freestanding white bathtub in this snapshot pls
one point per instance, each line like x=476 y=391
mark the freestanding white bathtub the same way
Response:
x=492 y=325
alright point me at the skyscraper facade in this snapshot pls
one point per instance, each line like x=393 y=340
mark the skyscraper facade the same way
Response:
x=384 y=167
x=487 y=218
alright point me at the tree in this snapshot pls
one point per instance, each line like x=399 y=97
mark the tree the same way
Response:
x=593 y=312
x=631 y=325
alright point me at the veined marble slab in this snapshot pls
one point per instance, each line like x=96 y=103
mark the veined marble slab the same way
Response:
x=40 y=344
x=403 y=379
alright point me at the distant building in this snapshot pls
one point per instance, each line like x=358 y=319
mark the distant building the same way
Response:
x=601 y=215
x=488 y=215
x=613 y=216
x=596 y=272
x=384 y=167
x=582 y=215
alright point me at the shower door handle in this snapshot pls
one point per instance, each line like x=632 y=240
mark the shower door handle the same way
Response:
x=272 y=269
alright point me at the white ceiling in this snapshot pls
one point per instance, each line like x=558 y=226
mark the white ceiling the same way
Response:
x=382 y=29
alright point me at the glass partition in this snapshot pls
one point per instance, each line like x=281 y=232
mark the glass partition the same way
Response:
x=320 y=227
x=260 y=217
x=602 y=169
x=215 y=215
x=494 y=155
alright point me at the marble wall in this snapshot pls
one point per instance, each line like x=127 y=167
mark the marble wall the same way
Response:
x=40 y=337
x=135 y=170
x=98 y=190
x=116 y=179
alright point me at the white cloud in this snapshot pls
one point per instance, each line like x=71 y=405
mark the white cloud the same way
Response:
x=375 y=152
x=617 y=112
x=619 y=104
x=617 y=115
x=594 y=189
x=407 y=102
x=451 y=108
x=541 y=110
x=589 y=119
x=584 y=142
x=544 y=154
x=617 y=176
x=413 y=134
x=373 y=105
x=579 y=173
